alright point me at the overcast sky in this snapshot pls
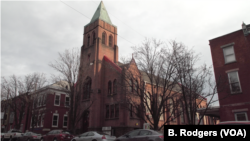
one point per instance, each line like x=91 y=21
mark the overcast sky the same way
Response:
x=33 y=32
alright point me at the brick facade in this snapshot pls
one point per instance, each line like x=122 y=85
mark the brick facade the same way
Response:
x=43 y=105
x=239 y=101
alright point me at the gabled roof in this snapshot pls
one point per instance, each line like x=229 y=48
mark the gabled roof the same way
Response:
x=102 y=14
x=105 y=58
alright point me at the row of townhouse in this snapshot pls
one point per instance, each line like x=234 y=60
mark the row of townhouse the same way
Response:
x=48 y=111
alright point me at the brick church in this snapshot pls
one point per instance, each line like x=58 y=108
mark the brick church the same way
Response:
x=101 y=72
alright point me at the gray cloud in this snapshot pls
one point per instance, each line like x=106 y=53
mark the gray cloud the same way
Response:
x=32 y=33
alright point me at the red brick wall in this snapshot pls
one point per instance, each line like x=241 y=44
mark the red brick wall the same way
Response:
x=242 y=51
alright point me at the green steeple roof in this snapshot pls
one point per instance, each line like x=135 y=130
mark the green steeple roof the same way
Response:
x=101 y=13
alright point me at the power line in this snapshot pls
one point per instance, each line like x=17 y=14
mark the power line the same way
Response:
x=75 y=9
x=125 y=24
x=90 y=19
x=125 y=39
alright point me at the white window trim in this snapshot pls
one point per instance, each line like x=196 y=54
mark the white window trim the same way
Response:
x=55 y=99
x=63 y=121
x=223 y=49
x=57 y=120
x=65 y=101
x=235 y=115
x=230 y=82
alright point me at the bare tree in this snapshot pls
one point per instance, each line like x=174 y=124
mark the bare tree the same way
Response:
x=195 y=82
x=150 y=84
x=68 y=66
x=18 y=92
x=38 y=113
x=164 y=81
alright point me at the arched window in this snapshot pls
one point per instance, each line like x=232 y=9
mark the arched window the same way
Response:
x=110 y=40
x=114 y=87
x=88 y=40
x=136 y=86
x=109 y=87
x=93 y=37
x=103 y=37
x=87 y=88
x=130 y=85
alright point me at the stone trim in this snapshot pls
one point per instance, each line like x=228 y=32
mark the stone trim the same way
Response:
x=227 y=45
x=236 y=104
x=236 y=69
x=240 y=110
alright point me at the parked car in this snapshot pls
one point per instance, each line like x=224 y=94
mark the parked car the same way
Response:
x=12 y=134
x=142 y=135
x=94 y=136
x=234 y=123
x=57 y=135
x=30 y=136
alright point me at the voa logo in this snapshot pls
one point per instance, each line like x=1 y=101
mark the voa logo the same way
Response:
x=232 y=132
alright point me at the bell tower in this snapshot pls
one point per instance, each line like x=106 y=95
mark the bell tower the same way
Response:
x=99 y=40
x=100 y=37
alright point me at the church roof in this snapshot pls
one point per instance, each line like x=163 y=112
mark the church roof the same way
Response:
x=112 y=64
x=102 y=14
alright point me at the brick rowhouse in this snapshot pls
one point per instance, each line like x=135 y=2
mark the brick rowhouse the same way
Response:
x=231 y=61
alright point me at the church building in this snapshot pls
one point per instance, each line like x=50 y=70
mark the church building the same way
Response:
x=101 y=75
x=99 y=70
